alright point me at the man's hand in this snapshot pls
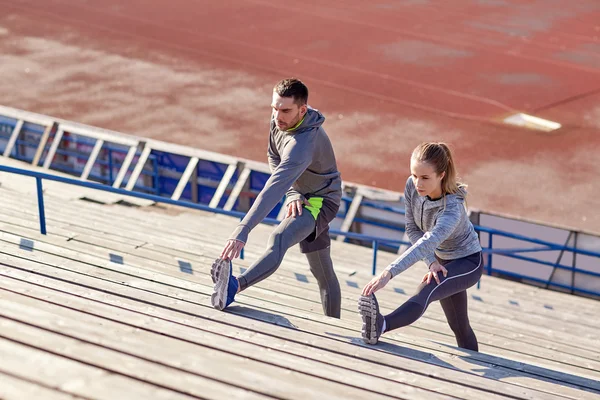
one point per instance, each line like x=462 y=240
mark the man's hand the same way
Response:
x=434 y=269
x=232 y=249
x=377 y=283
x=294 y=208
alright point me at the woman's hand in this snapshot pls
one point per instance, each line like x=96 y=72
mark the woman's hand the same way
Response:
x=434 y=269
x=377 y=283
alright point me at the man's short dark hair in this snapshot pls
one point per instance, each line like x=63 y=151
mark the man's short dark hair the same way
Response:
x=294 y=88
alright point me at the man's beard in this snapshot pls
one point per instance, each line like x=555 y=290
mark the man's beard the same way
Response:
x=292 y=124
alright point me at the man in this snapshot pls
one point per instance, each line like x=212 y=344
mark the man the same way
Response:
x=304 y=169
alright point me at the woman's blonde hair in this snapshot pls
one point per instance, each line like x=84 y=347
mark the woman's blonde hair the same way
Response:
x=439 y=156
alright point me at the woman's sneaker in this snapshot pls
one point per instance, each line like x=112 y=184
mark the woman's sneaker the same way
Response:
x=225 y=285
x=372 y=319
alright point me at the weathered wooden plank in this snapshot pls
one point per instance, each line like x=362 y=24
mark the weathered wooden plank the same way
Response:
x=330 y=343
x=52 y=339
x=59 y=228
x=278 y=377
x=315 y=307
x=196 y=336
x=73 y=377
x=542 y=310
x=553 y=315
x=493 y=300
x=500 y=281
x=492 y=333
x=9 y=222
x=13 y=388
x=175 y=266
x=133 y=235
x=487 y=318
x=331 y=331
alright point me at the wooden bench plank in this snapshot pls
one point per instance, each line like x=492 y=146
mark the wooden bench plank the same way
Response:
x=331 y=329
x=221 y=331
x=13 y=388
x=276 y=374
x=266 y=283
x=525 y=285
x=73 y=377
x=554 y=314
x=533 y=288
x=316 y=309
x=52 y=340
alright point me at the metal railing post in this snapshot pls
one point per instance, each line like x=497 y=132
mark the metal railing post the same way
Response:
x=42 y=213
x=242 y=252
x=489 y=266
x=375 y=248
x=110 y=167
x=155 y=178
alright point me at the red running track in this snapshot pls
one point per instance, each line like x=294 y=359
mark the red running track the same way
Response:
x=387 y=75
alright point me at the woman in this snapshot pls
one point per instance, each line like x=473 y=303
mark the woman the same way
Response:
x=443 y=237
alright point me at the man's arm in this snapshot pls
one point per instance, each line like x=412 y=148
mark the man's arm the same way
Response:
x=296 y=157
x=274 y=161
x=272 y=154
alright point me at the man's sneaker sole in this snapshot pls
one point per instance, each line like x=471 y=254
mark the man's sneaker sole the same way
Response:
x=368 y=312
x=220 y=272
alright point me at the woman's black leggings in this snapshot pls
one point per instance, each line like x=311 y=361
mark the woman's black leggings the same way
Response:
x=452 y=294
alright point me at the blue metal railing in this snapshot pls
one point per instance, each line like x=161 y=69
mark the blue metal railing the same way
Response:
x=374 y=240
x=547 y=246
x=159 y=161
x=161 y=185
x=110 y=164
x=489 y=250
x=39 y=176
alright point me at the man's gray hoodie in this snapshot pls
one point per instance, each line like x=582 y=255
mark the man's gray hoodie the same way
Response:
x=302 y=165
x=435 y=227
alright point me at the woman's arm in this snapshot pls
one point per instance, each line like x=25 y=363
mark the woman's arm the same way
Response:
x=426 y=245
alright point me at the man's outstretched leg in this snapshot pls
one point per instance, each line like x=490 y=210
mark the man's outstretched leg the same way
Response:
x=321 y=267
x=290 y=232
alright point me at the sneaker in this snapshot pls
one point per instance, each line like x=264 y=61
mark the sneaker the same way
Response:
x=226 y=286
x=372 y=319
